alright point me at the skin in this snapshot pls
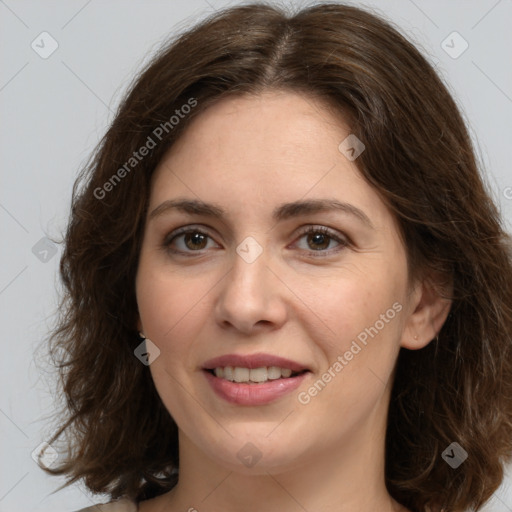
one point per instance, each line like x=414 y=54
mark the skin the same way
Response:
x=249 y=155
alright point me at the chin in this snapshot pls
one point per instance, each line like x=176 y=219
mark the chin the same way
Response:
x=256 y=453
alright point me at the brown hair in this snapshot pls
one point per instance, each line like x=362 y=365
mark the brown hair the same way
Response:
x=418 y=156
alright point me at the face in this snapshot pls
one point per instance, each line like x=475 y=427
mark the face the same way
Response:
x=262 y=242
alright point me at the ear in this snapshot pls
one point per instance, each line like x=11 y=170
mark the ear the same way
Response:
x=429 y=307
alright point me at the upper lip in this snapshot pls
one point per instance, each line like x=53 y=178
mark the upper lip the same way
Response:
x=253 y=361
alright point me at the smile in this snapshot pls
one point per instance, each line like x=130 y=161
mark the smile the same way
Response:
x=255 y=379
x=251 y=393
x=253 y=375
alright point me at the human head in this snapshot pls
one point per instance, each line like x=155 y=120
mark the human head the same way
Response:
x=418 y=157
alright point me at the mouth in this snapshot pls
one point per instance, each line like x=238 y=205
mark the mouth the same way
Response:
x=253 y=375
x=253 y=380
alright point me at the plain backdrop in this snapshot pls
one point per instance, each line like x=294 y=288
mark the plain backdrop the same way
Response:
x=54 y=108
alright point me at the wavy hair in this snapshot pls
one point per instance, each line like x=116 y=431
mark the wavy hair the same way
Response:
x=419 y=157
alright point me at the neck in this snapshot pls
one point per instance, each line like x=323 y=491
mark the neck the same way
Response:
x=343 y=478
x=321 y=484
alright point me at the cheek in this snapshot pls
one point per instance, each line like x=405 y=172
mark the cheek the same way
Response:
x=168 y=312
x=155 y=305
x=164 y=298
x=355 y=302
x=360 y=356
x=364 y=317
x=173 y=310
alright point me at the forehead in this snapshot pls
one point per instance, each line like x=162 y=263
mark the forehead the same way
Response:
x=269 y=125
x=262 y=150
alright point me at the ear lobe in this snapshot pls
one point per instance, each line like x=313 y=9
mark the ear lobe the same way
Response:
x=430 y=307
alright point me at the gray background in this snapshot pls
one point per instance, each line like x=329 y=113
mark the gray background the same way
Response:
x=53 y=111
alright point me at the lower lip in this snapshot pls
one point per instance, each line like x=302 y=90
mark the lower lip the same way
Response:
x=253 y=394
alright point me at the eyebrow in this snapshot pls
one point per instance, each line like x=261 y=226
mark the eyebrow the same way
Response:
x=280 y=213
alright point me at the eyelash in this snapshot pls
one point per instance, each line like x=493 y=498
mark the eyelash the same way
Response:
x=343 y=241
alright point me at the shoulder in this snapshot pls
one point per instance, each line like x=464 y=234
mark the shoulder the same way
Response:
x=123 y=505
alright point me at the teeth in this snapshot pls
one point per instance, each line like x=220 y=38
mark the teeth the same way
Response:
x=274 y=372
x=286 y=372
x=241 y=374
x=258 y=374
x=238 y=374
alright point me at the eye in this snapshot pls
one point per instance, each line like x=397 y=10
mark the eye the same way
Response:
x=186 y=240
x=319 y=239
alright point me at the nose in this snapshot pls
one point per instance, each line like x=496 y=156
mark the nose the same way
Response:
x=251 y=297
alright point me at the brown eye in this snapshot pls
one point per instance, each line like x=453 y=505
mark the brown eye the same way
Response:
x=195 y=240
x=322 y=241
x=188 y=240
x=318 y=241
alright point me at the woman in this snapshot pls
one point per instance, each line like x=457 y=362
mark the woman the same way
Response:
x=286 y=282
